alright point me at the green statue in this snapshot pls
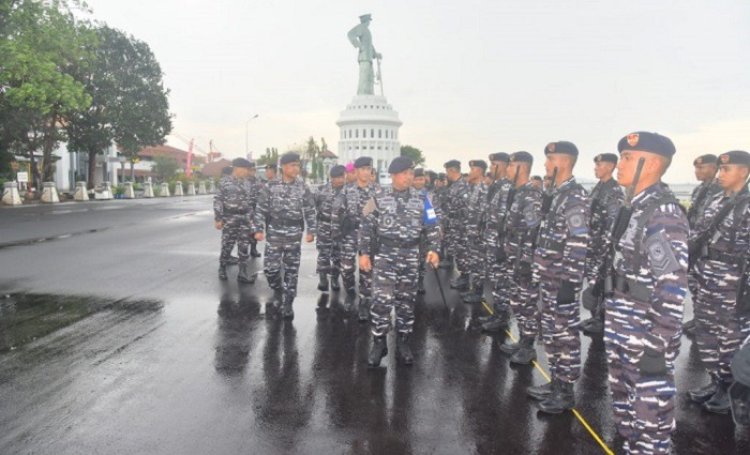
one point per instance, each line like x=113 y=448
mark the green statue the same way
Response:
x=361 y=38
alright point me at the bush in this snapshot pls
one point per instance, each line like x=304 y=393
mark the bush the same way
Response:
x=119 y=190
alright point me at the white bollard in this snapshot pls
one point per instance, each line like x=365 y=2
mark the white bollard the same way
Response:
x=11 y=196
x=178 y=189
x=211 y=187
x=148 y=190
x=191 y=189
x=49 y=193
x=81 y=194
x=106 y=193
x=164 y=190
x=129 y=192
x=202 y=188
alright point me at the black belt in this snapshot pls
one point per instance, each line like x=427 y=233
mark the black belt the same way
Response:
x=286 y=223
x=398 y=243
x=237 y=212
x=634 y=289
x=552 y=245
x=324 y=218
x=722 y=256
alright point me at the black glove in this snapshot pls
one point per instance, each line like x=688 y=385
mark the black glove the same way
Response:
x=567 y=293
x=652 y=363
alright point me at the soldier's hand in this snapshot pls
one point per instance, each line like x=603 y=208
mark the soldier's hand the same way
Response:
x=364 y=263
x=433 y=259
x=219 y=225
x=259 y=236
x=309 y=238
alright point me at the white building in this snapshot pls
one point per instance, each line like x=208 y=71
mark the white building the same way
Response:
x=369 y=127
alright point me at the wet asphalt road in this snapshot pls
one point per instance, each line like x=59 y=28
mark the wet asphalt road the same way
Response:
x=117 y=338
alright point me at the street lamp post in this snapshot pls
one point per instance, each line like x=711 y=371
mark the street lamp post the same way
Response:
x=247 y=123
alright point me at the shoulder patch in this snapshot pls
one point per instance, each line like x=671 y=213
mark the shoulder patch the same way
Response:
x=663 y=259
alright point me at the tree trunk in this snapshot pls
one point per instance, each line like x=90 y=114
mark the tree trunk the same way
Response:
x=132 y=171
x=92 y=170
x=47 y=149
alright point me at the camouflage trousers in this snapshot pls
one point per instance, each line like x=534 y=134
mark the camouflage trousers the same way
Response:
x=498 y=274
x=461 y=250
x=450 y=238
x=475 y=259
x=562 y=342
x=394 y=285
x=282 y=257
x=329 y=251
x=719 y=330
x=236 y=230
x=349 y=255
x=523 y=296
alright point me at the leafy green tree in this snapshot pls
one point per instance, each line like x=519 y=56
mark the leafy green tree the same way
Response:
x=414 y=153
x=40 y=43
x=165 y=167
x=270 y=157
x=129 y=104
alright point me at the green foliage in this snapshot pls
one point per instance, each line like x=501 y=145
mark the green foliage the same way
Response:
x=414 y=153
x=270 y=157
x=165 y=167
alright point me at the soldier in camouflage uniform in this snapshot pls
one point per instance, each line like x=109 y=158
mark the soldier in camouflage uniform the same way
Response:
x=440 y=194
x=642 y=316
x=723 y=234
x=498 y=195
x=284 y=207
x=356 y=195
x=559 y=265
x=256 y=185
x=233 y=211
x=472 y=258
x=419 y=183
x=606 y=199
x=453 y=206
x=395 y=219
x=329 y=199
x=705 y=172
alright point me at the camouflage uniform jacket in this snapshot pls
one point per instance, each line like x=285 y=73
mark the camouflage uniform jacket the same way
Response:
x=283 y=210
x=236 y=197
x=606 y=199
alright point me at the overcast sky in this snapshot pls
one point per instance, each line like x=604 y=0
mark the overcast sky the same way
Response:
x=467 y=77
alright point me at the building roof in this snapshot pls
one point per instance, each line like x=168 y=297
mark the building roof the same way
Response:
x=214 y=169
x=168 y=150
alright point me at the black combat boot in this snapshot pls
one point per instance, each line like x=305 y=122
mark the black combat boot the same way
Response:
x=243 y=276
x=461 y=282
x=719 y=402
x=377 y=352
x=497 y=322
x=363 y=312
x=561 y=399
x=287 y=312
x=541 y=392
x=403 y=350
x=335 y=282
x=526 y=352
x=704 y=393
x=223 y=272
x=275 y=303
x=323 y=283
x=351 y=297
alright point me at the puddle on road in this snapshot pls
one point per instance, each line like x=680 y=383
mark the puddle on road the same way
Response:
x=25 y=317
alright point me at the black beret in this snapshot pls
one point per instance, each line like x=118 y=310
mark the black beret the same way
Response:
x=735 y=157
x=337 y=171
x=453 y=164
x=419 y=172
x=432 y=174
x=521 y=157
x=227 y=170
x=241 y=162
x=289 y=157
x=500 y=156
x=478 y=163
x=606 y=158
x=272 y=166
x=400 y=164
x=441 y=176
x=708 y=158
x=362 y=161
x=741 y=365
x=564 y=147
x=647 y=142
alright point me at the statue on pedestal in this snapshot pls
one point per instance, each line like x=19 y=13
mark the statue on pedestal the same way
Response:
x=361 y=38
